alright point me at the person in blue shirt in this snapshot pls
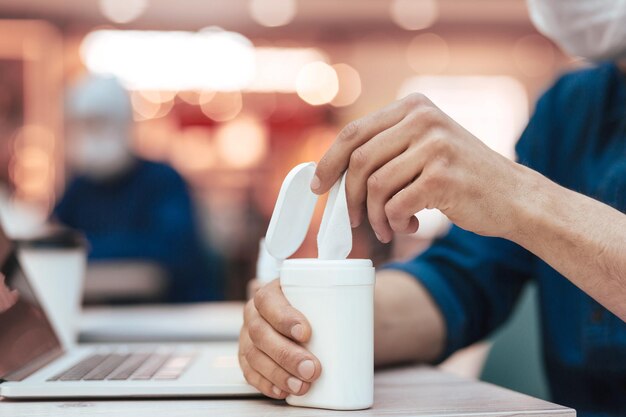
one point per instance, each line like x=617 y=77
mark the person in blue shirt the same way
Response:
x=556 y=216
x=129 y=208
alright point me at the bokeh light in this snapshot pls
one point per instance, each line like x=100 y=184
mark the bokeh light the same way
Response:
x=30 y=170
x=193 y=150
x=189 y=96
x=414 y=14
x=209 y=60
x=242 y=143
x=317 y=83
x=428 y=53
x=263 y=105
x=534 y=55
x=349 y=85
x=158 y=96
x=272 y=13
x=149 y=105
x=205 y=96
x=278 y=67
x=31 y=167
x=223 y=106
x=153 y=138
x=172 y=60
x=122 y=11
x=497 y=121
x=142 y=108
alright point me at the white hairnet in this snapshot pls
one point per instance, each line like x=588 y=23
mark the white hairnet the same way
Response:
x=99 y=96
x=592 y=29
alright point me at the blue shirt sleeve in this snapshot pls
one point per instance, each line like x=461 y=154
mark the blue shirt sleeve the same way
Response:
x=476 y=280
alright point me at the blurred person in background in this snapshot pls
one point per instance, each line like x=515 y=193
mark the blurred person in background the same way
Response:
x=556 y=217
x=129 y=208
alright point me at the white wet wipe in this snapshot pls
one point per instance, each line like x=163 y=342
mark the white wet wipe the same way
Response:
x=334 y=240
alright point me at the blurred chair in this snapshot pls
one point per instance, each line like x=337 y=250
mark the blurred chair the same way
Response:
x=124 y=281
x=511 y=357
x=468 y=362
x=515 y=358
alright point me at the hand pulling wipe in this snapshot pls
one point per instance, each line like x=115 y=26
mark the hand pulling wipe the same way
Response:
x=335 y=294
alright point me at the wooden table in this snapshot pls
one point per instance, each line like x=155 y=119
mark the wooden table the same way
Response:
x=409 y=391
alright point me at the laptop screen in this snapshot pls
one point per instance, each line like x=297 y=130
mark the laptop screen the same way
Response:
x=26 y=336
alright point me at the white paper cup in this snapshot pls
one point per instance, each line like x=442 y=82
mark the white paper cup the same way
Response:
x=55 y=267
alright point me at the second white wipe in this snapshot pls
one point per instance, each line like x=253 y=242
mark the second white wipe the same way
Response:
x=334 y=240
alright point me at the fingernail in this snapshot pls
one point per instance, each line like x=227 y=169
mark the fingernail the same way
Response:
x=297 y=332
x=381 y=239
x=306 y=369
x=353 y=223
x=277 y=391
x=315 y=183
x=294 y=384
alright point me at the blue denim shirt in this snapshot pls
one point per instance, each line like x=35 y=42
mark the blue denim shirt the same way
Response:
x=146 y=214
x=577 y=138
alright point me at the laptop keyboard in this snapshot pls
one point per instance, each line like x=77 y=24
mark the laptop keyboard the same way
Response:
x=128 y=366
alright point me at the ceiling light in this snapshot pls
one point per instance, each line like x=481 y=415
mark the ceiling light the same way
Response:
x=414 y=14
x=317 y=83
x=272 y=13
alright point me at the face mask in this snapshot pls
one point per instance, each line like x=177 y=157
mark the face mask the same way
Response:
x=99 y=156
x=591 y=29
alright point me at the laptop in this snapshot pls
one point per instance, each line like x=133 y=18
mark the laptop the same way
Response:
x=34 y=364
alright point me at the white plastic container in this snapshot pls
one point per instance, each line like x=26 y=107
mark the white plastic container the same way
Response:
x=337 y=298
x=335 y=294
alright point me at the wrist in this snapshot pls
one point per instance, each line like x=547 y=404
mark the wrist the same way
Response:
x=532 y=204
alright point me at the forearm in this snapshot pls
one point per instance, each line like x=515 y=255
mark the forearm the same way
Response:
x=407 y=323
x=583 y=239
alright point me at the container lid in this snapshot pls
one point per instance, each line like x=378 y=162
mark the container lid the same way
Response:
x=293 y=212
x=54 y=238
x=326 y=273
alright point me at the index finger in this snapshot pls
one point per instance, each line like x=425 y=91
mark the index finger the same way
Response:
x=272 y=305
x=335 y=161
